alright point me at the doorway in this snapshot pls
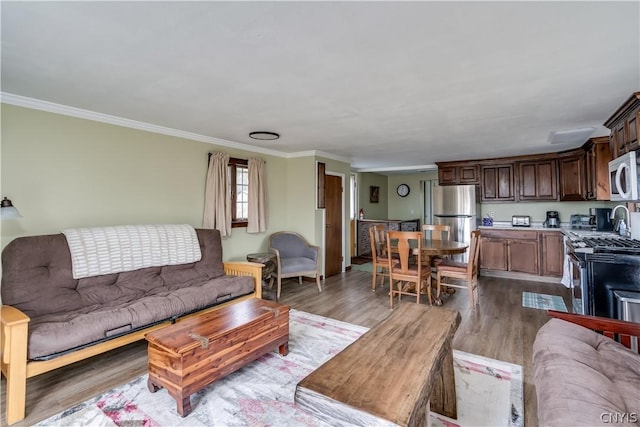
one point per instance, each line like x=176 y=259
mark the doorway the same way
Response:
x=333 y=256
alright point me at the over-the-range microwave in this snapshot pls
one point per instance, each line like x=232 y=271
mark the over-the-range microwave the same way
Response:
x=624 y=178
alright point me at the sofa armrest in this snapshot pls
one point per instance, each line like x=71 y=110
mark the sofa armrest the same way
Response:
x=14 y=333
x=608 y=327
x=245 y=268
x=14 y=324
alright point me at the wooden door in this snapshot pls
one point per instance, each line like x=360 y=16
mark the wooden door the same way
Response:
x=333 y=225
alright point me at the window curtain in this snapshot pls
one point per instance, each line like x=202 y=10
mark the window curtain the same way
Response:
x=257 y=220
x=217 y=203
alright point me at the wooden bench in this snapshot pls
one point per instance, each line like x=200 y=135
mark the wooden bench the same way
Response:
x=390 y=375
x=188 y=356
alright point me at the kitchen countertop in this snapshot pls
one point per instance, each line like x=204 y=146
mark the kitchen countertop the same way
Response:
x=506 y=225
x=565 y=228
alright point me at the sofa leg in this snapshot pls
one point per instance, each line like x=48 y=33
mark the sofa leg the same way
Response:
x=318 y=283
x=278 y=290
x=16 y=373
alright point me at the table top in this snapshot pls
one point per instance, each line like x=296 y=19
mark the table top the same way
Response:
x=388 y=366
x=261 y=256
x=443 y=247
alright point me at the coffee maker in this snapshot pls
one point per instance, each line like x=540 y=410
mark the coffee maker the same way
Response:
x=601 y=219
x=553 y=219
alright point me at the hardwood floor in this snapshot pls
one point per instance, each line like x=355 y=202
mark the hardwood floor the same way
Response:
x=500 y=328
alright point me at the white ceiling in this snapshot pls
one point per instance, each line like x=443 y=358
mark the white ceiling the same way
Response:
x=384 y=84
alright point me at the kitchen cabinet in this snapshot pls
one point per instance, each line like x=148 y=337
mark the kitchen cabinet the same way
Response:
x=364 y=243
x=538 y=180
x=510 y=250
x=459 y=174
x=573 y=179
x=498 y=183
x=625 y=127
x=598 y=156
x=551 y=253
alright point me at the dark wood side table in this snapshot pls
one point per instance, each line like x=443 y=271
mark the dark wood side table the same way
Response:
x=269 y=261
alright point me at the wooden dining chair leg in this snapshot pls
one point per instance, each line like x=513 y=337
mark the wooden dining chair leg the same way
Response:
x=374 y=279
x=391 y=293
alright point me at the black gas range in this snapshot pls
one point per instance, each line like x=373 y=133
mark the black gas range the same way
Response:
x=601 y=265
x=608 y=243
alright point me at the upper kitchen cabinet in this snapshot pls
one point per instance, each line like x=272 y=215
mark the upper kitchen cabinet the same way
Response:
x=598 y=156
x=466 y=173
x=625 y=127
x=498 y=183
x=573 y=175
x=538 y=179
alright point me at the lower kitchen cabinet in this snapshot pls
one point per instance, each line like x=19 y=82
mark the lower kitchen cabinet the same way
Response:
x=523 y=256
x=522 y=251
x=551 y=253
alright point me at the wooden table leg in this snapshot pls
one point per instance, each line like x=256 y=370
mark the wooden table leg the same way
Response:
x=443 y=396
x=284 y=349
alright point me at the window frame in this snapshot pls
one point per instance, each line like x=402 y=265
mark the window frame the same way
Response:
x=232 y=167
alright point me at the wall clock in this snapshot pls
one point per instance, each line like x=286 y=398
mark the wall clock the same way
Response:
x=403 y=190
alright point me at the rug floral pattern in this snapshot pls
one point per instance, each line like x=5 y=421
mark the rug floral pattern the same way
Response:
x=261 y=394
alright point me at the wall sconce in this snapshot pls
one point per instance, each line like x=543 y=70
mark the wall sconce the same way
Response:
x=7 y=210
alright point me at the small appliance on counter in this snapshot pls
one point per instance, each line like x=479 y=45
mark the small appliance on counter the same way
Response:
x=581 y=222
x=553 y=219
x=521 y=221
x=601 y=219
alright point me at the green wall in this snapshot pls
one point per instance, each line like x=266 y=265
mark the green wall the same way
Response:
x=378 y=210
x=62 y=171
x=412 y=206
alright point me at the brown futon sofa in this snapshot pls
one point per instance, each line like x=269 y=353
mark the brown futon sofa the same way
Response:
x=583 y=377
x=50 y=319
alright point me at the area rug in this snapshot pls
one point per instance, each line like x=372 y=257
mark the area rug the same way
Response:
x=543 y=301
x=367 y=267
x=489 y=392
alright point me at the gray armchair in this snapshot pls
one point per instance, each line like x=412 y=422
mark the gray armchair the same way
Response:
x=296 y=257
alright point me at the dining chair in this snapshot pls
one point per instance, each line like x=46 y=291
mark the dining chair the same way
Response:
x=401 y=271
x=380 y=261
x=467 y=272
x=437 y=232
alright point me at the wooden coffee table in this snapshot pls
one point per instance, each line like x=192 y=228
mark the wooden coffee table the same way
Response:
x=391 y=374
x=186 y=357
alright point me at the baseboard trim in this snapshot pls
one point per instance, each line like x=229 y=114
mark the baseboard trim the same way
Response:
x=520 y=276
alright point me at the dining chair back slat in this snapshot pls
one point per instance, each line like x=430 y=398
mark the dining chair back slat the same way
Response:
x=379 y=261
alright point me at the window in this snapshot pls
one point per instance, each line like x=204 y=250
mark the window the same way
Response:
x=239 y=190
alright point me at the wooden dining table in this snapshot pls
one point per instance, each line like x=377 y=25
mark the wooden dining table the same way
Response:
x=431 y=247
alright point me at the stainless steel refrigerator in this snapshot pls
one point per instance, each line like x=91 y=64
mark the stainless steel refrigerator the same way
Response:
x=459 y=207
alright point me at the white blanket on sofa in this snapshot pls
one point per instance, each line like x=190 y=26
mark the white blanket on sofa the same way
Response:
x=105 y=250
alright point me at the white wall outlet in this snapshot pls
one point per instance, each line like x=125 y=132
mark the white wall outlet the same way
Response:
x=492 y=214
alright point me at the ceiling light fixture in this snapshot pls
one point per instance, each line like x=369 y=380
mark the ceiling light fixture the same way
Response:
x=571 y=136
x=264 y=136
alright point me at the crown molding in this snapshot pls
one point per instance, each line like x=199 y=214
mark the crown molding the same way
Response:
x=51 y=107
x=416 y=168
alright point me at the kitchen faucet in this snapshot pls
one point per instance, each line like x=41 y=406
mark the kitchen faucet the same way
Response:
x=627 y=232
